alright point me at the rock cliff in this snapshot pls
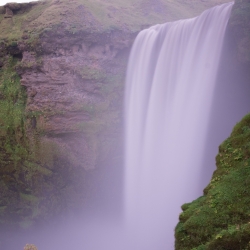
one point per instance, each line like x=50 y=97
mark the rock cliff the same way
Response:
x=62 y=71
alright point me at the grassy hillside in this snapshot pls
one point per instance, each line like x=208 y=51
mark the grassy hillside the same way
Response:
x=95 y=15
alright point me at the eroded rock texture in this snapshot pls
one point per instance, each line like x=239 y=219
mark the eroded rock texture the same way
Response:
x=74 y=90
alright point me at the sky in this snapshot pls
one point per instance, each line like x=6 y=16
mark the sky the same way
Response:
x=3 y=2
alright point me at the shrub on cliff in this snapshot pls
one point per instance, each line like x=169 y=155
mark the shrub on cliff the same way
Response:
x=221 y=218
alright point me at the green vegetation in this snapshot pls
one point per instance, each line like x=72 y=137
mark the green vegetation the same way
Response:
x=93 y=16
x=12 y=28
x=14 y=149
x=221 y=218
x=12 y=106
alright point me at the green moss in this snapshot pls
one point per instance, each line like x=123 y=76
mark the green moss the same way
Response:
x=12 y=118
x=221 y=218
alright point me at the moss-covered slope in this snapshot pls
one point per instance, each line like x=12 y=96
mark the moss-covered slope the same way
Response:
x=221 y=218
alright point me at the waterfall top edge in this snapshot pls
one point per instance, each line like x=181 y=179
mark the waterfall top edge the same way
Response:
x=156 y=27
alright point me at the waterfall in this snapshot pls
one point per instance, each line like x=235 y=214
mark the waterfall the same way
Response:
x=169 y=90
x=172 y=103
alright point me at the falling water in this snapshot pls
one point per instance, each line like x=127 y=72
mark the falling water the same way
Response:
x=170 y=86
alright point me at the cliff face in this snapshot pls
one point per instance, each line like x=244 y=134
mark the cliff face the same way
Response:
x=220 y=219
x=62 y=71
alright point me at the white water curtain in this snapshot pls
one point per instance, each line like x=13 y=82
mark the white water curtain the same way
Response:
x=170 y=84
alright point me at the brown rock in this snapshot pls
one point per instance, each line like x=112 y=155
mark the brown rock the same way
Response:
x=8 y=13
x=77 y=90
x=13 y=6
